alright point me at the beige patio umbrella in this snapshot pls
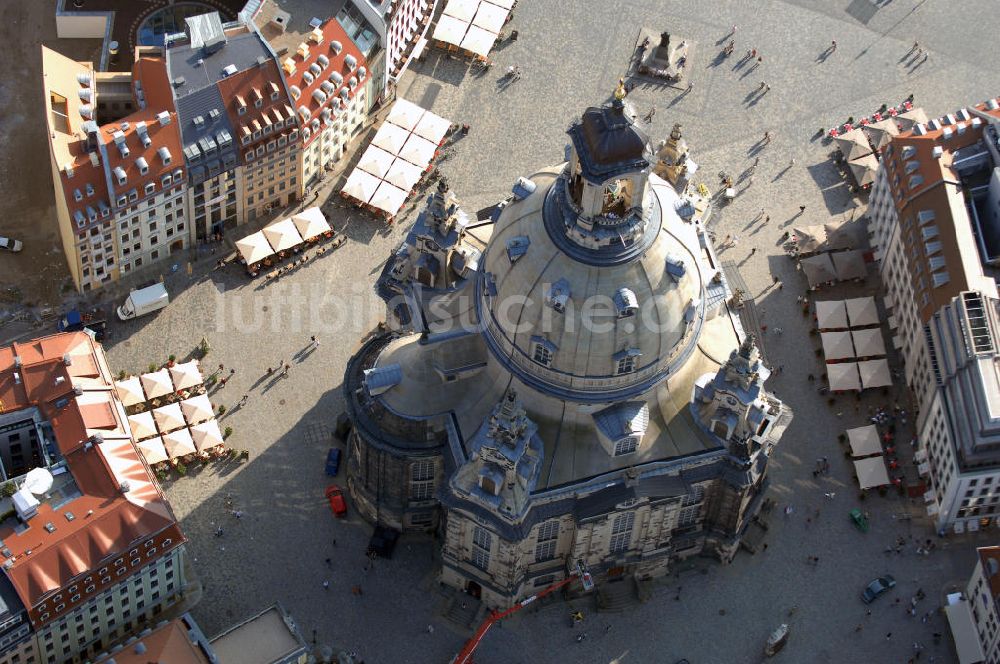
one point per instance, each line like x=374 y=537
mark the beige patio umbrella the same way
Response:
x=254 y=248
x=390 y=137
x=880 y=133
x=186 y=375
x=837 y=345
x=839 y=235
x=179 y=443
x=843 y=376
x=914 y=116
x=376 y=161
x=490 y=17
x=849 y=265
x=311 y=223
x=152 y=450
x=432 y=127
x=197 y=409
x=282 y=235
x=361 y=186
x=864 y=441
x=130 y=391
x=418 y=151
x=809 y=238
x=818 y=269
x=831 y=314
x=157 y=384
x=868 y=343
x=864 y=169
x=388 y=198
x=405 y=114
x=142 y=425
x=464 y=10
x=450 y=30
x=853 y=144
x=168 y=417
x=871 y=472
x=403 y=174
x=206 y=435
x=862 y=311
x=479 y=41
x=874 y=373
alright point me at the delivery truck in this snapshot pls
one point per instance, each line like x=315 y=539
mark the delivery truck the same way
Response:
x=144 y=301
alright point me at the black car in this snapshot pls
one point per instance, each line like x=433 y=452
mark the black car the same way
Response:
x=877 y=587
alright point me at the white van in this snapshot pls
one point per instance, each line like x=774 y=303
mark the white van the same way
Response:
x=144 y=301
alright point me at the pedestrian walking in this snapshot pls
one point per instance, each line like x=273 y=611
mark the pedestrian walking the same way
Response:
x=649 y=116
x=223 y=381
x=913 y=48
x=830 y=495
x=888 y=635
x=284 y=372
x=736 y=240
x=767 y=138
x=329 y=563
x=326 y=585
x=232 y=372
x=802 y=208
x=753 y=251
x=792 y=162
x=430 y=629
x=766 y=219
x=691 y=83
x=762 y=85
x=314 y=341
x=767 y=88
x=833 y=46
x=243 y=401
x=756 y=162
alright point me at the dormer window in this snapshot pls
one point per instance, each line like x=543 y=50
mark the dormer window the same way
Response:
x=617 y=198
x=626 y=304
x=542 y=351
x=626 y=361
x=627 y=445
x=557 y=295
x=143 y=166
x=517 y=247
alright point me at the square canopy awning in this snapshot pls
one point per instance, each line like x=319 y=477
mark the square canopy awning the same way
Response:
x=403 y=174
x=168 y=417
x=157 y=383
x=311 y=223
x=179 y=443
x=206 y=435
x=388 y=198
x=964 y=633
x=871 y=472
x=464 y=10
x=874 y=373
x=853 y=144
x=837 y=345
x=152 y=450
x=862 y=311
x=361 y=186
x=142 y=425
x=405 y=114
x=390 y=138
x=197 y=409
x=869 y=342
x=479 y=41
x=376 y=161
x=418 y=151
x=864 y=441
x=843 y=376
x=809 y=239
x=864 y=169
x=450 y=30
x=831 y=314
x=849 y=264
x=130 y=391
x=818 y=269
x=282 y=235
x=254 y=248
x=186 y=375
x=490 y=17
x=432 y=127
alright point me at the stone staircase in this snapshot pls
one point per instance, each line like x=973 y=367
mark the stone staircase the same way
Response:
x=617 y=596
x=463 y=612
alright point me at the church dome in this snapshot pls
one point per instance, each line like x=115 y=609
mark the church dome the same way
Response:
x=608 y=141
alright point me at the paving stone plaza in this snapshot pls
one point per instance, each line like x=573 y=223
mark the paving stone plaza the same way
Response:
x=571 y=55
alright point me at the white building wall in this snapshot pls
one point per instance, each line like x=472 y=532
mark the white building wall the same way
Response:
x=984 y=613
x=152 y=229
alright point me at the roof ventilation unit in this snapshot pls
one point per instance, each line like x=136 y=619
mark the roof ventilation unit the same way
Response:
x=992 y=104
x=163 y=117
x=920 y=129
x=336 y=47
x=937 y=151
x=229 y=70
x=523 y=188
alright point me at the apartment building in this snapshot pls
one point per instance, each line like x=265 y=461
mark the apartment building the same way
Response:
x=973 y=615
x=91 y=549
x=936 y=231
x=326 y=76
x=178 y=641
x=118 y=187
x=260 y=110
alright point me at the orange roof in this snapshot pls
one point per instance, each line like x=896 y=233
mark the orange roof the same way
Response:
x=167 y=643
x=60 y=545
x=332 y=31
x=244 y=89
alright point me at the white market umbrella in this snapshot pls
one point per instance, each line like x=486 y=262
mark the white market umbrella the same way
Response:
x=186 y=375
x=405 y=114
x=254 y=248
x=152 y=450
x=432 y=127
x=389 y=198
x=197 y=409
x=168 y=417
x=864 y=169
x=871 y=472
x=853 y=144
x=868 y=343
x=157 y=384
x=450 y=30
x=390 y=138
x=311 y=223
x=837 y=345
x=843 y=376
x=479 y=41
x=506 y=4
x=818 y=269
x=142 y=425
x=206 y=435
x=282 y=235
x=464 y=10
x=831 y=314
x=849 y=264
x=418 y=151
x=179 y=443
x=864 y=441
x=874 y=373
x=490 y=17
x=130 y=391
x=361 y=186
x=403 y=174
x=862 y=311
x=376 y=161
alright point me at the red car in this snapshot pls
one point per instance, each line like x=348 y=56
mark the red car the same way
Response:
x=336 y=497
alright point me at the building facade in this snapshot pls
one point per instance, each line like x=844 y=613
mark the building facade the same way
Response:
x=551 y=397
x=934 y=224
x=91 y=549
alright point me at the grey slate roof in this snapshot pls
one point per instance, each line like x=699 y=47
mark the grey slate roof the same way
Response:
x=200 y=69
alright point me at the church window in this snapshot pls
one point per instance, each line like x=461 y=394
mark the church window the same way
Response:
x=422 y=479
x=626 y=304
x=482 y=542
x=542 y=351
x=621 y=532
x=626 y=445
x=548 y=534
x=626 y=361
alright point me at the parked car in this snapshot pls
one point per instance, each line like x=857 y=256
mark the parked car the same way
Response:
x=10 y=244
x=337 y=503
x=74 y=321
x=333 y=461
x=877 y=587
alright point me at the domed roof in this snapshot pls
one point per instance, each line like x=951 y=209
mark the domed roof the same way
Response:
x=608 y=142
x=569 y=326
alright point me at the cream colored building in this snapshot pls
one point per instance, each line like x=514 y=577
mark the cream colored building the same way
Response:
x=575 y=389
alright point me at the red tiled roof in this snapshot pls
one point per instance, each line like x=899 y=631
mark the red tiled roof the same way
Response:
x=169 y=643
x=105 y=521
x=244 y=89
